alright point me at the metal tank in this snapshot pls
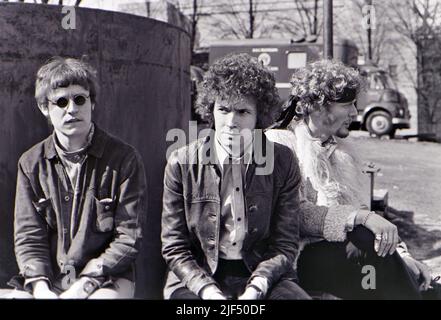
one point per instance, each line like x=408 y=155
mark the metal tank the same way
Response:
x=143 y=67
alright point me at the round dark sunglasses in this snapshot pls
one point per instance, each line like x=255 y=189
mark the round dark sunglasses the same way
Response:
x=78 y=99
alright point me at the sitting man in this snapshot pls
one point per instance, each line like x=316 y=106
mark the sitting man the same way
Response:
x=81 y=196
x=340 y=241
x=230 y=225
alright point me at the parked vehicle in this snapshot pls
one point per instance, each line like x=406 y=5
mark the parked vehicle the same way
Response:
x=381 y=107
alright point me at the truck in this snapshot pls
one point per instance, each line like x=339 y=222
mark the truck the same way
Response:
x=382 y=109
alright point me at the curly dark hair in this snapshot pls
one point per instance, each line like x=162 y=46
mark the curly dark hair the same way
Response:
x=322 y=82
x=243 y=76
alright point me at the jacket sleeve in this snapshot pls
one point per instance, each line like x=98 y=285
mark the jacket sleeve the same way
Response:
x=176 y=248
x=284 y=240
x=130 y=210
x=30 y=231
x=329 y=223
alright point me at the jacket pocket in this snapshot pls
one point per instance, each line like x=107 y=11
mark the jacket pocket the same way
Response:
x=45 y=210
x=202 y=197
x=105 y=212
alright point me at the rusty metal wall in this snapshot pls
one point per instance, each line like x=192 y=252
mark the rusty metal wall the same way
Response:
x=143 y=68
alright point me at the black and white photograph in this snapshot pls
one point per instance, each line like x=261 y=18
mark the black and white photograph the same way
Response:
x=241 y=151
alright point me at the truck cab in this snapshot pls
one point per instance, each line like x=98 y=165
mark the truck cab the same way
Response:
x=381 y=107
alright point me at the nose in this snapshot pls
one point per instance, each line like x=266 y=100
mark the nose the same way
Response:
x=231 y=120
x=72 y=108
x=353 y=112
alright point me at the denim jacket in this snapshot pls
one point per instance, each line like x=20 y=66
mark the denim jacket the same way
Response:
x=109 y=205
x=191 y=217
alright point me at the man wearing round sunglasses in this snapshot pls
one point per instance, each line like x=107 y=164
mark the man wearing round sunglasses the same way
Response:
x=81 y=195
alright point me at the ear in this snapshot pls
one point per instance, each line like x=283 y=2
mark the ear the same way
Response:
x=93 y=106
x=44 y=110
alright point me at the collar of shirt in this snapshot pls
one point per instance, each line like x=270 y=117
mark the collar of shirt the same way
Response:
x=222 y=155
x=76 y=156
x=97 y=144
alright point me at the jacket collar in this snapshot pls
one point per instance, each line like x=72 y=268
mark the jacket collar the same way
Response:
x=96 y=148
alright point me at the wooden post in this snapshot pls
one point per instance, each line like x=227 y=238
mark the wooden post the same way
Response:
x=371 y=169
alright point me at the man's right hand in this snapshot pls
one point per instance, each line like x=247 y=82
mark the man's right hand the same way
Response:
x=41 y=290
x=385 y=232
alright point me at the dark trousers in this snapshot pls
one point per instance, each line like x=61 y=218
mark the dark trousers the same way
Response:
x=232 y=276
x=337 y=268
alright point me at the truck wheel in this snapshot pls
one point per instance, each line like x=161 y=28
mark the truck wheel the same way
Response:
x=379 y=123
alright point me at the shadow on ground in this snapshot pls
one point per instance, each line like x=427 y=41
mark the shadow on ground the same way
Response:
x=422 y=243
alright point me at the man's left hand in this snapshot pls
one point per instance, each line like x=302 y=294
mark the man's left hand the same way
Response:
x=76 y=290
x=420 y=271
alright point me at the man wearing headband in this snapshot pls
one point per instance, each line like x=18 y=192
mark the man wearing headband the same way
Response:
x=341 y=241
x=81 y=195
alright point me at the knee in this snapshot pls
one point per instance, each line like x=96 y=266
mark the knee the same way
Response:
x=362 y=238
x=104 y=293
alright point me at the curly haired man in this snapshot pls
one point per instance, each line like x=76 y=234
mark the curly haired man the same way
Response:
x=229 y=232
x=349 y=251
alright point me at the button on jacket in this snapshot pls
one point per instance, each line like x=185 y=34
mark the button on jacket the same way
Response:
x=191 y=217
x=96 y=230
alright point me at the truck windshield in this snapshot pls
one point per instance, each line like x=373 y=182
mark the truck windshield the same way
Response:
x=381 y=81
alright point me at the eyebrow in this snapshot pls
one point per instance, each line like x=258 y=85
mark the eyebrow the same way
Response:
x=236 y=106
x=69 y=95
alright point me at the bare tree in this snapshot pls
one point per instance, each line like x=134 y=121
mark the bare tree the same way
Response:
x=237 y=18
x=417 y=21
x=191 y=8
x=194 y=18
x=372 y=43
x=60 y=2
x=251 y=19
x=306 y=20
